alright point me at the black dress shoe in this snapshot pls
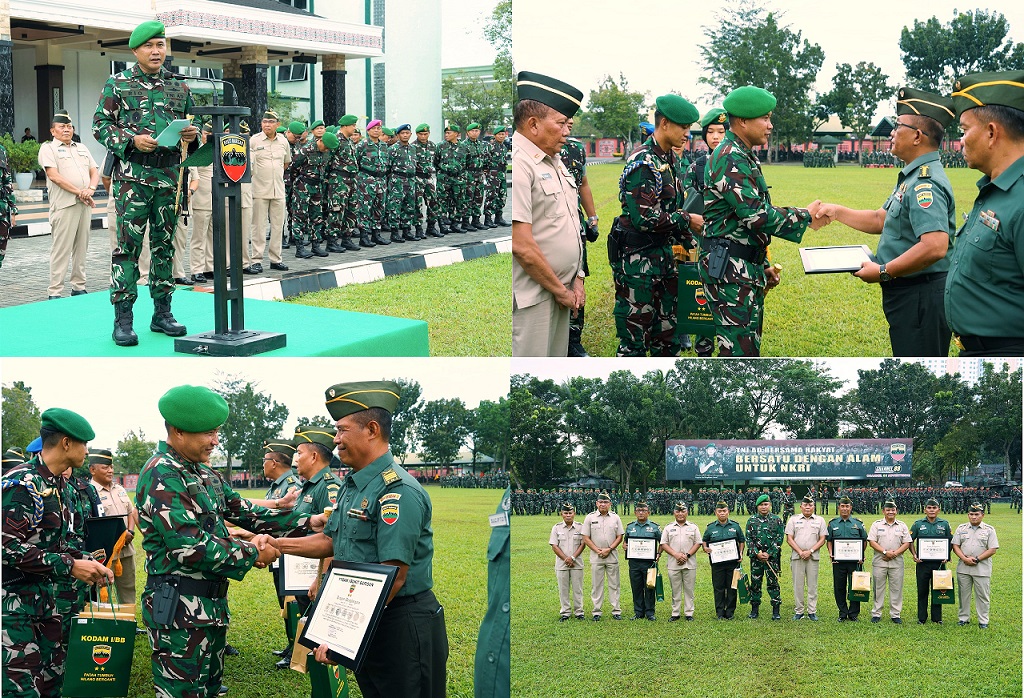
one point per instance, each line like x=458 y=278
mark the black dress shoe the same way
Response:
x=285 y=663
x=230 y=651
x=249 y=270
x=257 y=268
x=279 y=266
x=52 y=298
x=199 y=278
x=183 y=281
x=286 y=652
x=75 y=292
x=562 y=619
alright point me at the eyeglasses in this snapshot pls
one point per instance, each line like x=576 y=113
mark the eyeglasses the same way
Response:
x=898 y=124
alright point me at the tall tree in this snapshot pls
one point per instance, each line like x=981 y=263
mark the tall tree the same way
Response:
x=490 y=430
x=856 y=94
x=254 y=417
x=997 y=418
x=465 y=99
x=442 y=428
x=615 y=109
x=133 y=451
x=538 y=455
x=498 y=32
x=893 y=401
x=20 y=423
x=403 y=420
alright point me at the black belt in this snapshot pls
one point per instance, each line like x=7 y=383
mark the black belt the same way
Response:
x=12 y=576
x=973 y=343
x=905 y=281
x=404 y=175
x=210 y=588
x=160 y=159
x=400 y=601
x=749 y=253
x=373 y=172
x=424 y=174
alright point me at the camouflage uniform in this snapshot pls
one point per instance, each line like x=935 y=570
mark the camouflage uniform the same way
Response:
x=738 y=211
x=309 y=183
x=426 y=191
x=134 y=103
x=401 y=190
x=644 y=270
x=341 y=195
x=496 y=160
x=693 y=178
x=371 y=184
x=182 y=511
x=72 y=594
x=476 y=178
x=8 y=205
x=764 y=535
x=289 y=185
x=451 y=181
x=575 y=160
x=37 y=550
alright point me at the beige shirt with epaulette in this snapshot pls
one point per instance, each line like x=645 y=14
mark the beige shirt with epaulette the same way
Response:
x=603 y=530
x=269 y=158
x=202 y=198
x=72 y=162
x=973 y=541
x=890 y=537
x=681 y=538
x=116 y=502
x=806 y=532
x=568 y=539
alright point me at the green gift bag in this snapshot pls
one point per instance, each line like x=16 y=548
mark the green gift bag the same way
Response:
x=326 y=681
x=742 y=592
x=291 y=617
x=942 y=587
x=659 y=589
x=99 y=659
x=693 y=312
x=860 y=586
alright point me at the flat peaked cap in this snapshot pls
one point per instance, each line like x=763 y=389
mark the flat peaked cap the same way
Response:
x=144 y=32
x=677 y=110
x=271 y=115
x=985 y=89
x=68 y=423
x=285 y=447
x=310 y=435
x=344 y=399
x=61 y=117
x=193 y=408
x=911 y=102
x=100 y=456
x=560 y=96
x=749 y=102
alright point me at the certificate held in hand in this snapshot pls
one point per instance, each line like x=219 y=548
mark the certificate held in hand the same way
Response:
x=724 y=551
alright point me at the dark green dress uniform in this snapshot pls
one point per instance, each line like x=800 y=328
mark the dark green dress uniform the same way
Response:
x=923 y=528
x=842 y=572
x=721 y=572
x=643 y=598
x=279 y=488
x=765 y=535
x=492 y=671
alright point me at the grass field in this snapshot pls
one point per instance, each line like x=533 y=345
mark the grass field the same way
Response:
x=807 y=315
x=746 y=657
x=467 y=306
x=461 y=533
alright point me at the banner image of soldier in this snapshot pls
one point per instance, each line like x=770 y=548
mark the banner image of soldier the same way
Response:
x=764 y=536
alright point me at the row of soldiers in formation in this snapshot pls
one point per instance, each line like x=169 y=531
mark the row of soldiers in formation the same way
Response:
x=819 y=158
x=910 y=500
x=490 y=481
x=346 y=193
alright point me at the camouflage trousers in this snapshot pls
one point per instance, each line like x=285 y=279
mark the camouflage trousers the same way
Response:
x=771 y=567
x=308 y=216
x=476 y=188
x=401 y=203
x=370 y=209
x=341 y=208
x=426 y=197
x=188 y=663
x=72 y=596
x=496 y=192
x=737 y=304
x=33 y=656
x=136 y=206
x=5 y=235
x=645 y=305
x=451 y=195
x=577 y=321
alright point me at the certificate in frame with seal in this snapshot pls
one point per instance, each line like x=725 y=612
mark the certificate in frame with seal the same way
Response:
x=851 y=550
x=641 y=548
x=724 y=551
x=295 y=574
x=933 y=549
x=348 y=610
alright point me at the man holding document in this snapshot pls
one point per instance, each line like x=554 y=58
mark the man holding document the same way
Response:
x=723 y=541
x=846 y=540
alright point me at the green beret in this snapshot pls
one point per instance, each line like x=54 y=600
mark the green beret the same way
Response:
x=676 y=109
x=560 y=96
x=144 y=32
x=314 y=436
x=681 y=506
x=284 y=447
x=716 y=116
x=297 y=128
x=348 y=120
x=985 y=89
x=472 y=126
x=344 y=399
x=100 y=456
x=976 y=507
x=889 y=504
x=749 y=102
x=193 y=408
x=271 y=115
x=932 y=502
x=68 y=423
x=911 y=102
x=330 y=140
x=282 y=128
x=846 y=500
x=452 y=127
x=422 y=127
x=387 y=132
x=318 y=122
x=721 y=504
x=61 y=117
x=603 y=497
x=762 y=499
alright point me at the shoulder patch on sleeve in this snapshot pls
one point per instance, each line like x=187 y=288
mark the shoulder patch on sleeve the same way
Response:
x=332 y=493
x=390 y=497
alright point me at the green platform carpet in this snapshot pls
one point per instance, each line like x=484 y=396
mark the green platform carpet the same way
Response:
x=82 y=325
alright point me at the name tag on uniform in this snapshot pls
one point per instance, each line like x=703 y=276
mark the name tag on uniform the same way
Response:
x=500 y=519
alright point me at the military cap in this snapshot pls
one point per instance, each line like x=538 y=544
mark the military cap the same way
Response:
x=208 y=127
x=889 y=504
x=749 y=102
x=271 y=115
x=318 y=122
x=403 y=127
x=676 y=109
x=808 y=499
x=61 y=117
x=716 y=116
x=193 y=408
x=846 y=500
x=763 y=498
x=641 y=505
x=344 y=399
x=297 y=127
x=374 y=124
x=330 y=140
x=452 y=127
x=1004 y=89
x=144 y=32
x=348 y=120
x=422 y=127
x=911 y=102
x=473 y=126
x=681 y=506
x=721 y=504
x=243 y=127
x=284 y=447
x=35 y=446
x=560 y=96
x=568 y=507
x=282 y=128
x=647 y=127
x=976 y=506
x=100 y=456
x=932 y=502
x=12 y=457
x=310 y=435
x=603 y=497
x=68 y=423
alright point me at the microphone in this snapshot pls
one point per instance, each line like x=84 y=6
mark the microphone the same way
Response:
x=212 y=81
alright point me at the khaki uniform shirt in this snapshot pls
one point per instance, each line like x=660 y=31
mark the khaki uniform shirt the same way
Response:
x=202 y=199
x=269 y=158
x=116 y=502
x=72 y=162
x=568 y=539
x=603 y=530
x=681 y=538
x=544 y=195
x=890 y=537
x=973 y=541
x=806 y=531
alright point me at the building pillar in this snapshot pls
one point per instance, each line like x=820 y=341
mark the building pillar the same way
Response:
x=252 y=83
x=49 y=98
x=334 y=87
x=6 y=70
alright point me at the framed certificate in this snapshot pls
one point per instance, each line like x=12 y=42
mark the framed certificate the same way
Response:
x=933 y=549
x=724 y=550
x=295 y=574
x=348 y=610
x=641 y=548
x=832 y=260
x=848 y=550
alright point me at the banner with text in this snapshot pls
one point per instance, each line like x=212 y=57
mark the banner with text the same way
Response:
x=800 y=459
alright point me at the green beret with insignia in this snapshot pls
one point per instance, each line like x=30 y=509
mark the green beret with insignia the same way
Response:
x=473 y=126
x=721 y=504
x=68 y=423
x=560 y=96
x=932 y=502
x=344 y=399
x=976 y=507
x=452 y=127
x=284 y=447
x=297 y=128
x=330 y=140
x=144 y=32
x=311 y=435
x=100 y=456
x=715 y=117
x=749 y=102
x=846 y=500
x=603 y=497
x=389 y=132
x=271 y=115
x=1005 y=89
x=193 y=408
x=61 y=117
x=676 y=109
x=889 y=504
x=762 y=499
x=423 y=127
x=318 y=122
x=911 y=102
x=348 y=120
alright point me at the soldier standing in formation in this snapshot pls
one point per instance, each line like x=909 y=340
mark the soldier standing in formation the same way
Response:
x=401 y=191
x=930 y=527
x=680 y=540
x=451 y=189
x=270 y=155
x=764 y=535
x=474 y=151
x=309 y=184
x=342 y=225
x=296 y=137
x=372 y=156
x=426 y=190
x=497 y=188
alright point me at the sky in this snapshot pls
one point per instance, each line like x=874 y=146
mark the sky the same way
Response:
x=462 y=33
x=609 y=37
x=118 y=395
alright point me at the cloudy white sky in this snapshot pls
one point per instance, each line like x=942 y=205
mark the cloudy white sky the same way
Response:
x=462 y=33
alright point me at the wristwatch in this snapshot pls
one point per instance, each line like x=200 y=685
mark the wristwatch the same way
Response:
x=883 y=275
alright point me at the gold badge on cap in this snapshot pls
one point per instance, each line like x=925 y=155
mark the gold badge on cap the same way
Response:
x=331 y=392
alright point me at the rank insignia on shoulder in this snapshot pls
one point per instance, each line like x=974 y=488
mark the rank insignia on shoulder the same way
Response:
x=328 y=476
x=390 y=476
x=925 y=172
x=290 y=480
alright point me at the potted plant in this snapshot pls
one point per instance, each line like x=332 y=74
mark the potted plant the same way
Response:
x=23 y=159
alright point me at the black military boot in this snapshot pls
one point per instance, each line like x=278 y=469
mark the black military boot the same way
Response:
x=409 y=235
x=286 y=241
x=396 y=236
x=489 y=221
x=334 y=246
x=754 y=609
x=349 y=244
x=318 y=249
x=500 y=220
x=432 y=229
x=301 y=251
x=467 y=226
x=124 y=335
x=379 y=239
x=163 y=321
x=454 y=226
x=477 y=224
x=776 y=610
x=418 y=232
x=365 y=241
